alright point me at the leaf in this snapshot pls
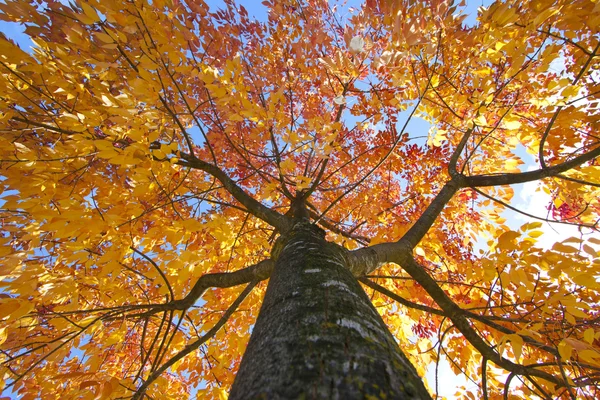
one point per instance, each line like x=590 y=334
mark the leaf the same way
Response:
x=288 y=166
x=508 y=240
x=3 y=335
x=565 y=350
x=590 y=250
x=511 y=124
x=90 y=13
x=104 y=37
x=9 y=307
x=107 y=101
x=480 y=120
x=588 y=335
x=303 y=182
x=586 y=280
x=564 y=248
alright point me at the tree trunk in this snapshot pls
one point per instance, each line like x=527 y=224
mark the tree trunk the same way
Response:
x=318 y=336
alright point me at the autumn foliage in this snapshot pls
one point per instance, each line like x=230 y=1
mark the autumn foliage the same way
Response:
x=150 y=150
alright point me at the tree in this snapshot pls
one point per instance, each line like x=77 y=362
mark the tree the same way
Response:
x=161 y=161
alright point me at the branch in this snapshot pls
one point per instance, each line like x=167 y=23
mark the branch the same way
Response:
x=193 y=346
x=335 y=229
x=256 y=272
x=414 y=235
x=368 y=259
x=481 y=318
x=45 y=126
x=559 y=109
x=383 y=159
x=522 y=177
x=273 y=218
x=531 y=215
x=456 y=315
x=401 y=253
x=457 y=152
x=162 y=274
x=581 y=181
x=399 y=299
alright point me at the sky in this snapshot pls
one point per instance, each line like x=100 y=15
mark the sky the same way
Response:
x=527 y=197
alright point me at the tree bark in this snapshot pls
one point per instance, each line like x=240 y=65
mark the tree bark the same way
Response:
x=318 y=336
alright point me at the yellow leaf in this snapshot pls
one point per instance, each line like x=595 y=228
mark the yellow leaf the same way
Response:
x=419 y=251
x=586 y=280
x=590 y=250
x=480 y=120
x=107 y=389
x=507 y=240
x=222 y=393
x=570 y=91
x=3 y=335
x=288 y=166
x=107 y=101
x=564 y=248
x=302 y=182
x=516 y=342
x=8 y=307
x=565 y=350
x=159 y=154
x=529 y=332
x=590 y=355
x=104 y=37
x=512 y=164
x=85 y=19
x=588 y=335
x=90 y=12
x=531 y=225
x=511 y=125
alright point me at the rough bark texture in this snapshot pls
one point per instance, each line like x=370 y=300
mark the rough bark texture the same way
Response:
x=318 y=336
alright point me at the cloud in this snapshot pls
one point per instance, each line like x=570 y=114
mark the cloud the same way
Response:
x=533 y=200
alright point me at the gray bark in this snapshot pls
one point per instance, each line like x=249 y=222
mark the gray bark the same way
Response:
x=318 y=336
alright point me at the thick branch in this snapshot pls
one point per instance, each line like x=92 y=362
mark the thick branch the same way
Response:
x=511 y=179
x=460 y=321
x=401 y=253
x=399 y=299
x=368 y=259
x=273 y=218
x=457 y=152
x=471 y=315
x=426 y=220
x=256 y=272
x=193 y=346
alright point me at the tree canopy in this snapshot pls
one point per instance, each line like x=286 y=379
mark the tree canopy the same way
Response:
x=151 y=153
